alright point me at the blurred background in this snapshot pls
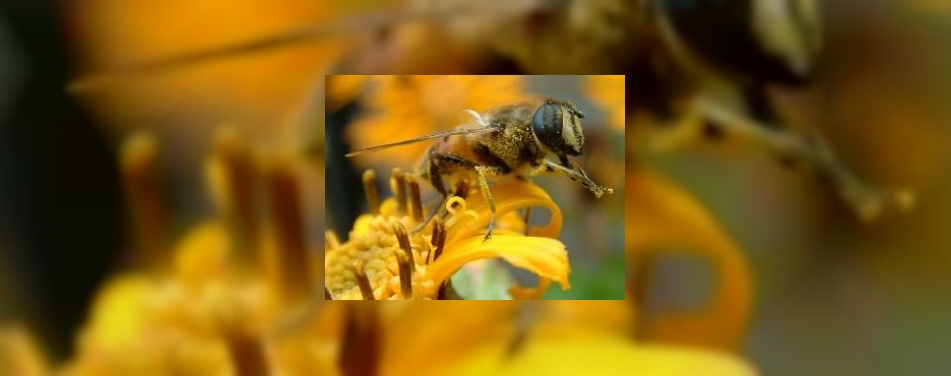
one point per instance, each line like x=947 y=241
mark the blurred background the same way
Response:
x=833 y=295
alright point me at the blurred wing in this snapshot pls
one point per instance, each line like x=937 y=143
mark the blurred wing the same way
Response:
x=350 y=25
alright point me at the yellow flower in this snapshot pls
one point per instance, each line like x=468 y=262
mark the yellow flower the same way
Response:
x=210 y=306
x=384 y=260
x=19 y=354
x=493 y=337
x=584 y=337
x=599 y=355
x=341 y=89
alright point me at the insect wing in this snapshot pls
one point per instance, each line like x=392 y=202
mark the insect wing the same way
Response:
x=421 y=138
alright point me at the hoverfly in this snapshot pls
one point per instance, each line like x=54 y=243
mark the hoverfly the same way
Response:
x=676 y=51
x=511 y=140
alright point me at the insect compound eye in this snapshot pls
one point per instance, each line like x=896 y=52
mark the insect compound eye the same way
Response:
x=558 y=128
x=773 y=40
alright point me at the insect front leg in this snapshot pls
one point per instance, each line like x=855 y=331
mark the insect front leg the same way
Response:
x=575 y=173
x=445 y=160
x=866 y=200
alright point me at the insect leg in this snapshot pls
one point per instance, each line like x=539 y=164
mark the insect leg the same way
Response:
x=484 y=186
x=866 y=200
x=577 y=174
x=434 y=177
x=449 y=159
x=528 y=210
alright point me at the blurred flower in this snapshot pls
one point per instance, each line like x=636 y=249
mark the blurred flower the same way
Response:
x=342 y=89
x=239 y=302
x=500 y=337
x=382 y=260
x=601 y=355
x=491 y=337
x=229 y=282
x=404 y=107
x=607 y=92
x=19 y=354
x=661 y=217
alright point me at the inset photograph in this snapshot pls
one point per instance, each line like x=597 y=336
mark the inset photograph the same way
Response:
x=474 y=187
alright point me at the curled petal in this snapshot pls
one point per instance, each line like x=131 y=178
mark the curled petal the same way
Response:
x=509 y=197
x=660 y=216
x=530 y=293
x=544 y=257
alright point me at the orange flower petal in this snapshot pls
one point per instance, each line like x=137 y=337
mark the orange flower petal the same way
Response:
x=543 y=256
x=601 y=355
x=659 y=215
x=426 y=337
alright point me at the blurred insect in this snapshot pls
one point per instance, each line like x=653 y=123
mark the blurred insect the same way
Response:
x=511 y=140
x=674 y=52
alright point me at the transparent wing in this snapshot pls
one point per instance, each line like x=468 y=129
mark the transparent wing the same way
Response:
x=421 y=138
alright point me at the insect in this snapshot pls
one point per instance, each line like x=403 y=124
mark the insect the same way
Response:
x=680 y=54
x=511 y=140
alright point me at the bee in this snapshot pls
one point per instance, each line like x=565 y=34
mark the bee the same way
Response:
x=513 y=140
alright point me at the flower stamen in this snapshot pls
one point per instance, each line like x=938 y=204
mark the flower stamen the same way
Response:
x=398 y=183
x=363 y=282
x=406 y=274
x=416 y=206
x=462 y=190
x=140 y=172
x=286 y=265
x=438 y=240
x=403 y=238
x=235 y=162
x=369 y=188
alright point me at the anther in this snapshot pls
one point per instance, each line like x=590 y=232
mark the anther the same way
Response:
x=434 y=239
x=398 y=182
x=234 y=162
x=288 y=267
x=462 y=191
x=369 y=188
x=403 y=238
x=362 y=282
x=439 y=238
x=406 y=275
x=416 y=206
x=140 y=170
